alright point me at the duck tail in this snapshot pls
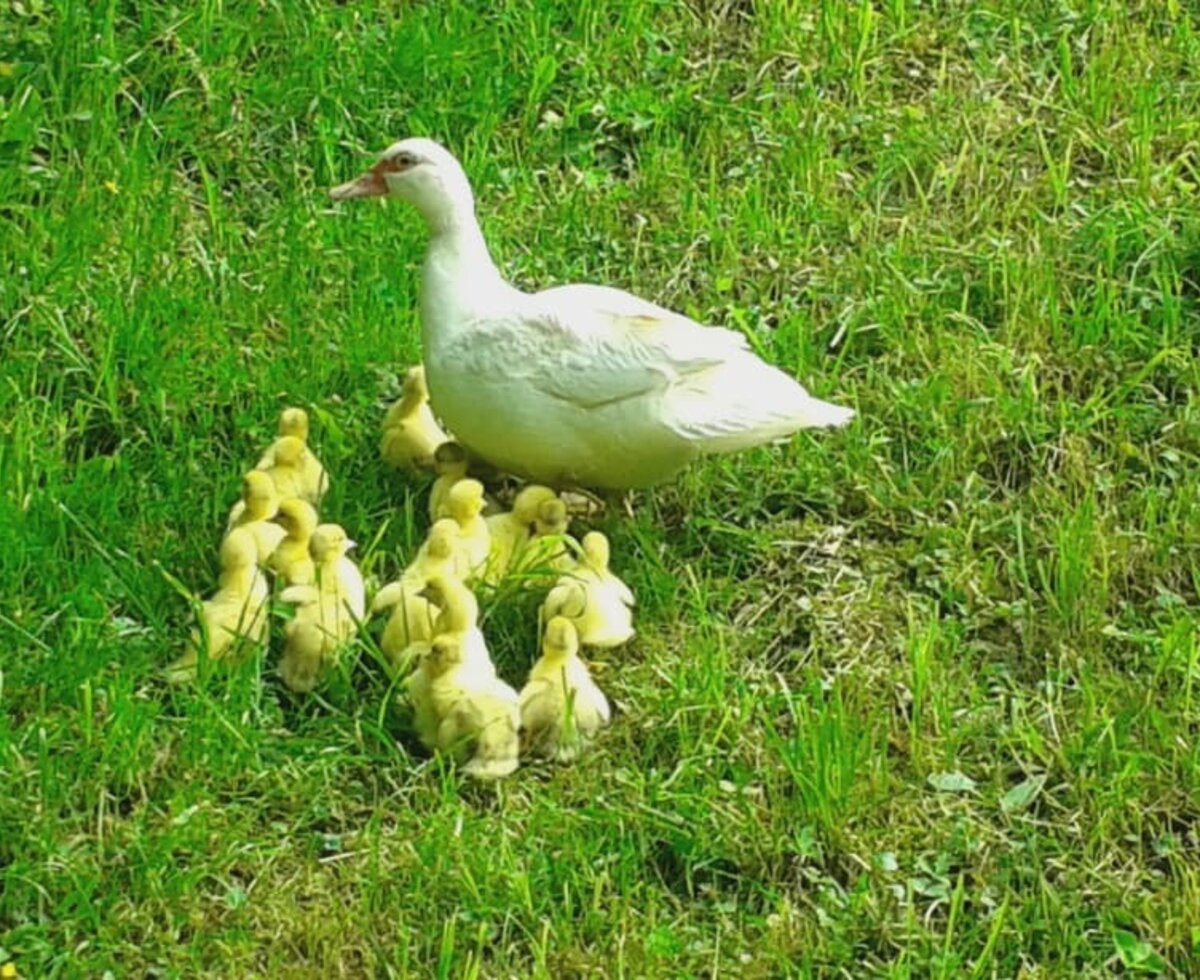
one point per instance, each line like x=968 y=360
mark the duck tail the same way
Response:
x=745 y=402
x=816 y=414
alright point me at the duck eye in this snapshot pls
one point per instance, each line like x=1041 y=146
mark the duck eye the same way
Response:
x=402 y=161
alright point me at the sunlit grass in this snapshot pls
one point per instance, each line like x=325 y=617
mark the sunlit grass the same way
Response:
x=915 y=699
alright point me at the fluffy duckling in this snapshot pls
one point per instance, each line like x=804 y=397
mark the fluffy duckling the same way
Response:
x=413 y=615
x=464 y=504
x=291 y=560
x=236 y=612
x=562 y=709
x=306 y=644
x=288 y=470
x=547 y=548
x=439 y=554
x=336 y=572
x=328 y=611
x=450 y=464
x=255 y=512
x=458 y=616
x=458 y=613
x=411 y=620
x=597 y=602
x=293 y=423
x=466 y=713
x=511 y=531
x=411 y=434
x=593 y=566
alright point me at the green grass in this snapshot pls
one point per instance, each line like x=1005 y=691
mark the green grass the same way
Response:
x=917 y=699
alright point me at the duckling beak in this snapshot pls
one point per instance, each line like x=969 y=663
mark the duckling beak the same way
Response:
x=351 y=545
x=370 y=184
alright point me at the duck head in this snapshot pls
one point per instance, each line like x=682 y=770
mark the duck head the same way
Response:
x=418 y=171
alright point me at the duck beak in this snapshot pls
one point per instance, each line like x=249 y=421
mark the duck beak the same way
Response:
x=351 y=545
x=370 y=184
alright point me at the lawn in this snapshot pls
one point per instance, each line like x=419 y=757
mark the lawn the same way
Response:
x=917 y=698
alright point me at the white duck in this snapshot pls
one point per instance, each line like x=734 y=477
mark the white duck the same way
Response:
x=577 y=385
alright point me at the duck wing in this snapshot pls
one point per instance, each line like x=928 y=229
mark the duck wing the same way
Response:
x=593 y=346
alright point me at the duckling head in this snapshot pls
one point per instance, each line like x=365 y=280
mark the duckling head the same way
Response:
x=595 y=549
x=294 y=422
x=465 y=500
x=460 y=608
x=561 y=641
x=238 y=550
x=551 y=517
x=445 y=653
x=450 y=459
x=436 y=589
x=258 y=491
x=442 y=538
x=289 y=451
x=329 y=542
x=414 y=383
x=297 y=517
x=418 y=171
x=528 y=503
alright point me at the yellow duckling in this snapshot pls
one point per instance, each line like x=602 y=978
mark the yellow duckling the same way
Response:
x=458 y=613
x=288 y=470
x=328 y=612
x=547 y=548
x=306 y=645
x=593 y=567
x=562 y=709
x=411 y=434
x=597 y=602
x=255 y=513
x=458 y=616
x=410 y=622
x=413 y=615
x=293 y=423
x=511 y=531
x=466 y=713
x=464 y=504
x=237 y=611
x=440 y=553
x=291 y=560
x=450 y=464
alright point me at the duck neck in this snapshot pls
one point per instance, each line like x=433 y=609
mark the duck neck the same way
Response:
x=459 y=277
